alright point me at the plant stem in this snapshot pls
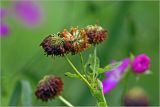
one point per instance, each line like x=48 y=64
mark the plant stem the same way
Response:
x=77 y=72
x=98 y=94
x=82 y=63
x=94 y=66
x=65 y=101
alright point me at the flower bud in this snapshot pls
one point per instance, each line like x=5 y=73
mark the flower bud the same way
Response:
x=49 y=87
x=136 y=97
x=141 y=63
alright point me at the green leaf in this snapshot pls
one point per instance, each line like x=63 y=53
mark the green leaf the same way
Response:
x=132 y=56
x=112 y=66
x=26 y=93
x=108 y=67
x=100 y=70
x=101 y=104
x=148 y=72
x=16 y=95
x=90 y=62
x=71 y=75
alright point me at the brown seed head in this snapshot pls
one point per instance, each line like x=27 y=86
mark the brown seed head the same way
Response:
x=53 y=45
x=49 y=88
x=96 y=34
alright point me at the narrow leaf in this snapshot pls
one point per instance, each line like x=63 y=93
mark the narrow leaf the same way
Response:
x=109 y=67
x=100 y=70
x=112 y=66
x=132 y=56
x=90 y=62
x=71 y=75
x=15 y=97
x=26 y=93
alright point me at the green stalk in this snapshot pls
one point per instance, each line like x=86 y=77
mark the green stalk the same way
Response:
x=94 y=66
x=65 y=101
x=77 y=72
x=82 y=63
x=98 y=94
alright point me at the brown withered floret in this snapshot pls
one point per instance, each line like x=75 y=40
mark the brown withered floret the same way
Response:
x=96 y=34
x=53 y=45
x=67 y=36
x=81 y=42
x=49 y=88
x=68 y=46
x=73 y=41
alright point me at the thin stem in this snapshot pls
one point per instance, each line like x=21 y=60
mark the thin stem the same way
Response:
x=101 y=101
x=94 y=66
x=65 y=101
x=77 y=72
x=82 y=63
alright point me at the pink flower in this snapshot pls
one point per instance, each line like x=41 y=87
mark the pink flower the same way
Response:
x=28 y=11
x=2 y=13
x=141 y=63
x=114 y=76
x=4 y=29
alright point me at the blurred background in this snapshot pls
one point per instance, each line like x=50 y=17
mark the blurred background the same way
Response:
x=133 y=27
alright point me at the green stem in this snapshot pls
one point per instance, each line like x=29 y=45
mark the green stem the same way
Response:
x=94 y=66
x=65 y=101
x=82 y=63
x=77 y=72
x=98 y=94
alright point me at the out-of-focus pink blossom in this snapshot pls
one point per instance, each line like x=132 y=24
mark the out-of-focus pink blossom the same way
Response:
x=28 y=12
x=114 y=76
x=4 y=29
x=3 y=13
x=141 y=63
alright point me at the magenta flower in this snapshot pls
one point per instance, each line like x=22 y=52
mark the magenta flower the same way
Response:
x=2 y=13
x=4 y=29
x=28 y=11
x=114 y=76
x=141 y=63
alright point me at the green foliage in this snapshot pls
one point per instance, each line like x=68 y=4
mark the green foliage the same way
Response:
x=26 y=93
x=132 y=56
x=16 y=94
x=71 y=75
x=22 y=94
x=90 y=63
x=18 y=58
x=108 y=67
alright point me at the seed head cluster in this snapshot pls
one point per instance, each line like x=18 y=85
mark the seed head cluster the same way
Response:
x=73 y=41
x=49 y=87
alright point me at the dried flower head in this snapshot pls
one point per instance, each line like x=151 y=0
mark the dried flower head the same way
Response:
x=53 y=45
x=81 y=42
x=96 y=34
x=49 y=87
x=73 y=41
